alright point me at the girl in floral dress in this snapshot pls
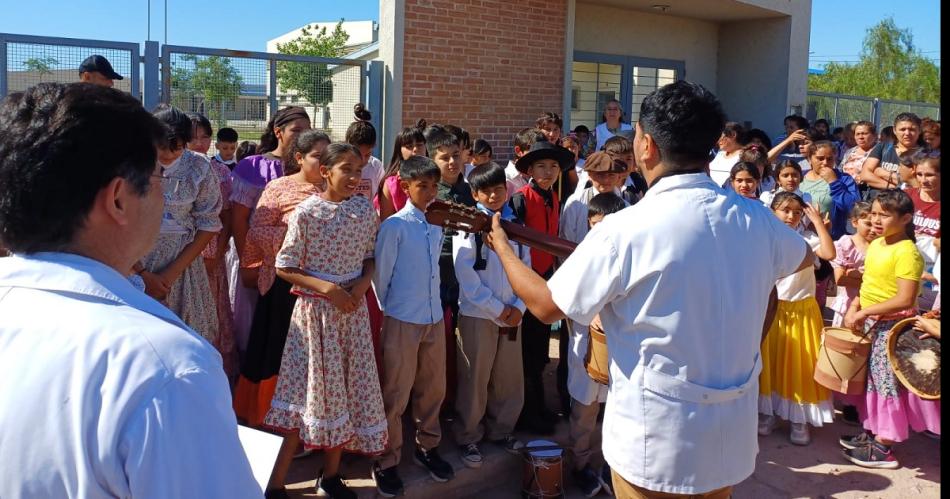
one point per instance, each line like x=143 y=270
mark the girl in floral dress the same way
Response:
x=265 y=236
x=892 y=271
x=213 y=254
x=328 y=391
x=173 y=271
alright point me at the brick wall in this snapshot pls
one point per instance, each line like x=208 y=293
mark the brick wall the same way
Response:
x=489 y=66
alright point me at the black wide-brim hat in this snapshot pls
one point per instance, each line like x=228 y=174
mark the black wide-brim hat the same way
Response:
x=545 y=150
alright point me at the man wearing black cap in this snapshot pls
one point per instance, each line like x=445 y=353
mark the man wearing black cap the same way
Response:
x=96 y=69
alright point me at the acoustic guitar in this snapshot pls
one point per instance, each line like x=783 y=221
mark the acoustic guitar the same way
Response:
x=471 y=220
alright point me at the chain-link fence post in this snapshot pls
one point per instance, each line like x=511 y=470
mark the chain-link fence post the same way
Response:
x=3 y=67
x=876 y=114
x=152 y=88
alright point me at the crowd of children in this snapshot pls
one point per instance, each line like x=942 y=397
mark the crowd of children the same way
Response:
x=337 y=306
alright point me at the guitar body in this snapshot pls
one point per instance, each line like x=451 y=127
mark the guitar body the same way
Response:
x=468 y=219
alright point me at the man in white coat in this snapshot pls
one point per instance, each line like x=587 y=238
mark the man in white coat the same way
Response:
x=681 y=281
x=104 y=391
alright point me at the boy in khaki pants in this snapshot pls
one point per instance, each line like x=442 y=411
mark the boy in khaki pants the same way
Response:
x=490 y=379
x=406 y=279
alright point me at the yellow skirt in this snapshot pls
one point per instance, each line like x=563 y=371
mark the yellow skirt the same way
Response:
x=787 y=386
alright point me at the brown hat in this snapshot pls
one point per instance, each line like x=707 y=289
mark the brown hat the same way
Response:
x=602 y=162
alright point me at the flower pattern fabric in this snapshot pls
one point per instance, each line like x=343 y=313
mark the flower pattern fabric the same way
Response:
x=192 y=203
x=328 y=386
x=218 y=280
x=269 y=225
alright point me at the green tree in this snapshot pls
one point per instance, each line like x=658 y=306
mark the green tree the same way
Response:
x=313 y=81
x=211 y=81
x=41 y=65
x=890 y=67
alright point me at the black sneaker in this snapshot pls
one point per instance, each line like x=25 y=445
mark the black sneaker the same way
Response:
x=606 y=480
x=874 y=455
x=849 y=415
x=855 y=441
x=334 y=487
x=587 y=481
x=470 y=455
x=439 y=470
x=511 y=444
x=388 y=483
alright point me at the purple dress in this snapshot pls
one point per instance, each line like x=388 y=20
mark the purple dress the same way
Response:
x=248 y=180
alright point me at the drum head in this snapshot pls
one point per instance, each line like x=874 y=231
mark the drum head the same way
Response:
x=916 y=362
x=543 y=453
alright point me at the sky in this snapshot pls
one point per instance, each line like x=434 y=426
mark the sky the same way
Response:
x=837 y=29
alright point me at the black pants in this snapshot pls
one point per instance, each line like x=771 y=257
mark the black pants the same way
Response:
x=535 y=341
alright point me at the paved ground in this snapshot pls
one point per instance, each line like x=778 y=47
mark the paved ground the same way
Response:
x=783 y=470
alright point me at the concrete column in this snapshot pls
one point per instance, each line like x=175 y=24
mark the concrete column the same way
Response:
x=392 y=17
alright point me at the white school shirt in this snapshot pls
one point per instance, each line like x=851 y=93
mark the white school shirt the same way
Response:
x=484 y=294
x=683 y=326
x=515 y=179
x=721 y=166
x=767 y=196
x=106 y=393
x=372 y=175
x=801 y=284
x=603 y=134
x=573 y=224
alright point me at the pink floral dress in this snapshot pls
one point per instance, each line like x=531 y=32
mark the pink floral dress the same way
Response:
x=218 y=280
x=328 y=386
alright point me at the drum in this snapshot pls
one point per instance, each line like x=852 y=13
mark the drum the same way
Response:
x=541 y=477
x=596 y=360
x=843 y=361
x=915 y=362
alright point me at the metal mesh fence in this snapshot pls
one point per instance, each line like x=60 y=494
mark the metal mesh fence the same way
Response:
x=32 y=63
x=840 y=110
x=233 y=91
x=889 y=110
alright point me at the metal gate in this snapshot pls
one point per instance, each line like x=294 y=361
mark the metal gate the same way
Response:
x=233 y=88
x=840 y=109
x=26 y=60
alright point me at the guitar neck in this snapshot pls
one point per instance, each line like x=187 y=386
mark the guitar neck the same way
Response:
x=538 y=240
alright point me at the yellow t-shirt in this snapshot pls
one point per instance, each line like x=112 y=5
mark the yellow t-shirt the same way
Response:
x=884 y=264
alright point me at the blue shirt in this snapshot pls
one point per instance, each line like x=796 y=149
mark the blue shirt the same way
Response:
x=407 y=267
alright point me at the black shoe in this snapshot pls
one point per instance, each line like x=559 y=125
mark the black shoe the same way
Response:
x=388 y=483
x=606 y=480
x=855 y=441
x=849 y=415
x=587 y=481
x=334 y=487
x=439 y=470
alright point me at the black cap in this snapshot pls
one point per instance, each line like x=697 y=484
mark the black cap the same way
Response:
x=543 y=149
x=100 y=64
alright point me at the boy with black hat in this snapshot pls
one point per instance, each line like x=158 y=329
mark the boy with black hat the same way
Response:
x=96 y=69
x=537 y=205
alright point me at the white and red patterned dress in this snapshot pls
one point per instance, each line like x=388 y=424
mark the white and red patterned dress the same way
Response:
x=328 y=386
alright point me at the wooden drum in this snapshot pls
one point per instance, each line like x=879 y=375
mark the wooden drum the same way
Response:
x=843 y=361
x=542 y=474
x=596 y=360
x=916 y=362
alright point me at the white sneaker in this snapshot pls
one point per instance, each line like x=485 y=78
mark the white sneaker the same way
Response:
x=766 y=424
x=799 y=434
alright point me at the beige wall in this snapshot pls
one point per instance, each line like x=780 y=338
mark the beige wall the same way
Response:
x=752 y=83
x=611 y=30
